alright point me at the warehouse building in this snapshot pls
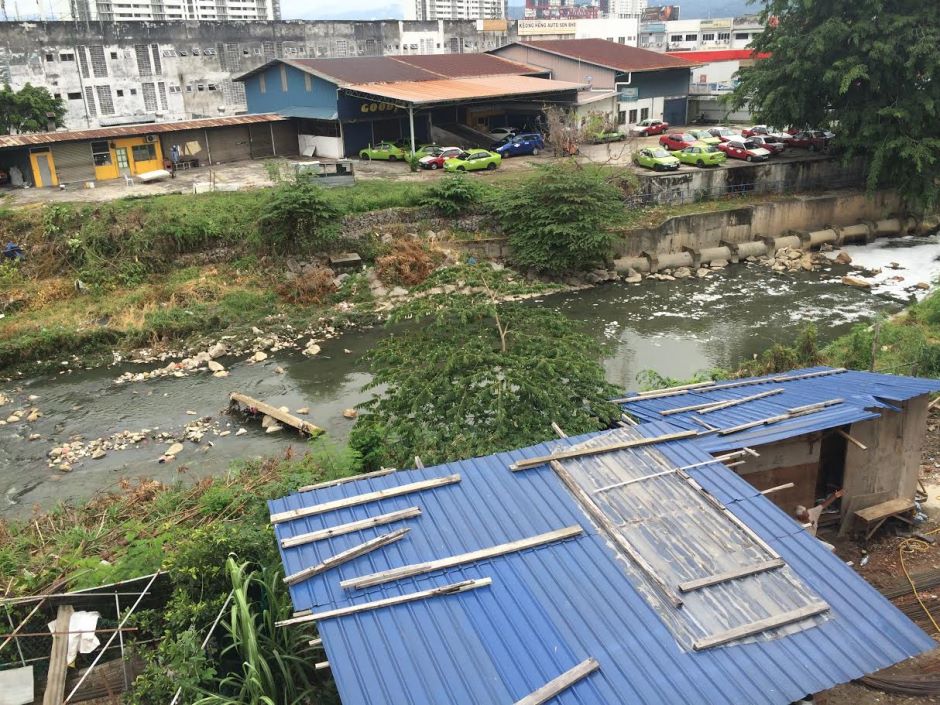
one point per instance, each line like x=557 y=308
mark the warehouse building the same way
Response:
x=61 y=158
x=643 y=84
x=344 y=105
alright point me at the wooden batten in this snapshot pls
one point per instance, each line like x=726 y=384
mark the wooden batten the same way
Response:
x=364 y=498
x=350 y=527
x=710 y=406
x=344 y=480
x=408 y=571
x=719 y=578
x=58 y=661
x=597 y=450
x=346 y=556
x=561 y=683
x=452 y=589
x=762 y=625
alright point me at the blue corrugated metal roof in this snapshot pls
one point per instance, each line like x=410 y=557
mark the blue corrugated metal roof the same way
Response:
x=551 y=607
x=864 y=394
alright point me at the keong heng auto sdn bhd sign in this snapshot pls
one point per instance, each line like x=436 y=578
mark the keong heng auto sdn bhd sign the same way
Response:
x=529 y=28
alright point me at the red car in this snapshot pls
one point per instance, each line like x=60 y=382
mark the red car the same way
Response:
x=755 y=131
x=723 y=133
x=675 y=141
x=813 y=140
x=437 y=157
x=748 y=150
x=649 y=127
x=772 y=144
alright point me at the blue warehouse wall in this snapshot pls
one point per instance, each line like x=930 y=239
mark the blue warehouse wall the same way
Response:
x=660 y=84
x=322 y=94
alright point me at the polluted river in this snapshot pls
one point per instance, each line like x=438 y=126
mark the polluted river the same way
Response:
x=675 y=328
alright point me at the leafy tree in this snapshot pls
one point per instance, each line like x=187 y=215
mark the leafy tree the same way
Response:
x=869 y=69
x=471 y=376
x=559 y=219
x=299 y=214
x=29 y=109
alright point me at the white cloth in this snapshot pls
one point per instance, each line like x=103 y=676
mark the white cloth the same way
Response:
x=16 y=686
x=82 y=637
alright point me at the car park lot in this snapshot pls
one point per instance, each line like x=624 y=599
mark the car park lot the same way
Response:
x=613 y=153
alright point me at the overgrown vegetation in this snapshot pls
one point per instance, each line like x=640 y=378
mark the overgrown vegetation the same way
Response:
x=559 y=219
x=297 y=216
x=454 y=195
x=466 y=375
x=190 y=531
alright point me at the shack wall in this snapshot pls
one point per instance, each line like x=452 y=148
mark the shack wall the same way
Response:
x=795 y=460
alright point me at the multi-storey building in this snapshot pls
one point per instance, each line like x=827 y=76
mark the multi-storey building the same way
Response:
x=136 y=72
x=142 y=10
x=699 y=35
x=456 y=9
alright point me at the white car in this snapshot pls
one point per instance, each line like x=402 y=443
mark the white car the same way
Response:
x=499 y=133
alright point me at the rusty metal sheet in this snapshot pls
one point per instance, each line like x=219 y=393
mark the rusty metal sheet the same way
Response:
x=41 y=138
x=610 y=54
x=445 y=90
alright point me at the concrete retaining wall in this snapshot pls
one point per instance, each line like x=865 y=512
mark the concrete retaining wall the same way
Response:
x=771 y=219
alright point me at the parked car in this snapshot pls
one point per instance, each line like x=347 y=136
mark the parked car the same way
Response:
x=756 y=130
x=473 y=160
x=436 y=159
x=523 y=143
x=723 y=133
x=701 y=155
x=655 y=158
x=383 y=150
x=678 y=140
x=813 y=140
x=705 y=137
x=647 y=128
x=771 y=144
x=748 y=150
x=606 y=136
x=500 y=133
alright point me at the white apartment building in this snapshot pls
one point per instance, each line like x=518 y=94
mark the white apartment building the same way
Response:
x=699 y=35
x=146 y=10
x=456 y=9
x=619 y=30
x=627 y=8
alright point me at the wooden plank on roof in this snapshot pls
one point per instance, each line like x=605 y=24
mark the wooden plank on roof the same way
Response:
x=596 y=450
x=452 y=589
x=346 y=556
x=561 y=683
x=350 y=527
x=344 y=480
x=761 y=625
x=408 y=571
x=718 y=578
x=710 y=406
x=364 y=498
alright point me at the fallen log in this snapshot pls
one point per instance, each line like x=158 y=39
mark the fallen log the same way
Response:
x=255 y=406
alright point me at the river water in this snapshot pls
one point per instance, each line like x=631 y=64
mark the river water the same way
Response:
x=675 y=328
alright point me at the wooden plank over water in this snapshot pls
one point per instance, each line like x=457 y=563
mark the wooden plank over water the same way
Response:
x=275 y=413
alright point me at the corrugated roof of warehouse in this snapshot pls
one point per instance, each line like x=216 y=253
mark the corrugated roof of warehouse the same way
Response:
x=613 y=55
x=388 y=69
x=864 y=393
x=551 y=607
x=450 y=89
x=40 y=138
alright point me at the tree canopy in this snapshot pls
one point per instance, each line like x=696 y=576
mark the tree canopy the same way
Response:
x=466 y=375
x=29 y=109
x=867 y=68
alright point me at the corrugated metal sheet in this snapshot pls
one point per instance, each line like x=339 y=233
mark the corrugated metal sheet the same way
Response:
x=309 y=112
x=128 y=130
x=864 y=393
x=709 y=57
x=445 y=90
x=463 y=65
x=551 y=607
x=619 y=57
x=73 y=162
x=230 y=144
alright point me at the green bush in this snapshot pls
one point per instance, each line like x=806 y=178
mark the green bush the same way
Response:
x=558 y=220
x=453 y=195
x=298 y=215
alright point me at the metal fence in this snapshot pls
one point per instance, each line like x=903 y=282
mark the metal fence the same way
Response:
x=659 y=192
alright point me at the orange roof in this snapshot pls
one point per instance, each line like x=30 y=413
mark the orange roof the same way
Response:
x=449 y=89
x=148 y=128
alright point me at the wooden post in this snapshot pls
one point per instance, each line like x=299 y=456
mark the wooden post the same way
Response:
x=58 y=660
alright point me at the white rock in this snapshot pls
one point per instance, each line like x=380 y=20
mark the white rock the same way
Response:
x=350 y=413
x=215 y=366
x=259 y=356
x=190 y=412
x=267 y=421
x=278 y=370
x=98 y=454
x=856 y=282
x=240 y=432
x=273 y=429
x=303 y=410
x=682 y=273
x=312 y=349
x=175 y=449
x=220 y=373
x=217 y=350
